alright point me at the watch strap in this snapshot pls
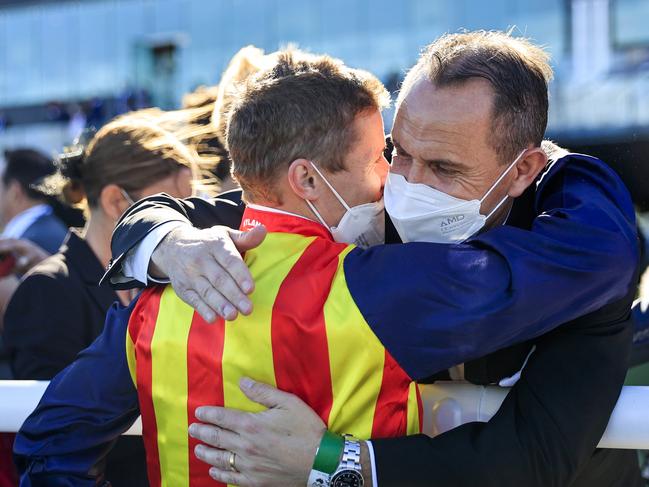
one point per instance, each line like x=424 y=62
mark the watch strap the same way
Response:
x=328 y=454
x=351 y=458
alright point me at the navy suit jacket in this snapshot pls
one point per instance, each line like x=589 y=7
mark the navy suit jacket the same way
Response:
x=48 y=232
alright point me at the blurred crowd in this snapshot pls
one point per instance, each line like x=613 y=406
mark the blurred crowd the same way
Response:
x=58 y=214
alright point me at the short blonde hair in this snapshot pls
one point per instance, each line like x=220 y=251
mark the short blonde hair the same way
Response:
x=302 y=106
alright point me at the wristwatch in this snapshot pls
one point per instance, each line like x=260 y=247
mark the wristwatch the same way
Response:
x=349 y=472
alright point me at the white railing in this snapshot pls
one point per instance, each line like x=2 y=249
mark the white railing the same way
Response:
x=446 y=405
x=18 y=398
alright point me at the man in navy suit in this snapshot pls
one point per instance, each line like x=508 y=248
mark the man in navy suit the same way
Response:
x=24 y=211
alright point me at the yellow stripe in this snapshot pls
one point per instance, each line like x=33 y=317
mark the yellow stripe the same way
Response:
x=169 y=387
x=130 y=358
x=356 y=358
x=413 y=411
x=247 y=349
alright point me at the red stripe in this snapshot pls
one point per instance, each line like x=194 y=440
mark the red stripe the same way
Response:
x=391 y=413
x=298 y=333
x=204 y=385
x=141 y=327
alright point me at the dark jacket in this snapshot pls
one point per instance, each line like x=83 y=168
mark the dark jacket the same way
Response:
x=545 y=430
x=48 y=232
x=57 y=311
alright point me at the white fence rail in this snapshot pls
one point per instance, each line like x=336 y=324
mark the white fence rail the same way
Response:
x=18 y=398
x=446 y=405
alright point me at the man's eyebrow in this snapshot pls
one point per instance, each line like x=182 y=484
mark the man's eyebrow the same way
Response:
x=448 y=163
x=437 y=162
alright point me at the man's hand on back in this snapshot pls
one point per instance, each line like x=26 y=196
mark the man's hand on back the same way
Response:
x=275 y=447
x=206 y=269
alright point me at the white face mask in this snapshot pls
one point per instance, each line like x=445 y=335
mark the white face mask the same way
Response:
x=424 y=214
x=362 y=225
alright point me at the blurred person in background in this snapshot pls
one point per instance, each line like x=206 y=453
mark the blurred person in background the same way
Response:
x=211 y=105
x=32 y=229
x=59 y=307
x=24 y=211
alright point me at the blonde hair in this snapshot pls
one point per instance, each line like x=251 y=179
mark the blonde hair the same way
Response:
x=207 y=108
x=246 y=62
x=132 y=151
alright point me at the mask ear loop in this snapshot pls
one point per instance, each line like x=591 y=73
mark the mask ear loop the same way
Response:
x=126 y=196
x=496 y=208
x=502 y=176
x=338 y=197
x=496 y=184
x=317 y=214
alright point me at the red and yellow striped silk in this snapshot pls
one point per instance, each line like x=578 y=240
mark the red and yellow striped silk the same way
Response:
x=305 y=336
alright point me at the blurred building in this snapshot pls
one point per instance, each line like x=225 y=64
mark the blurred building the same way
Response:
x=68 y=64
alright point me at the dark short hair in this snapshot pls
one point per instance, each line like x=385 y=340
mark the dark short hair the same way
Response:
x=300 y=107
x=28 y=168
x=518 y=71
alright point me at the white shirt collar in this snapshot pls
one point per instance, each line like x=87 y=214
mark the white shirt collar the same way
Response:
x=19 y=224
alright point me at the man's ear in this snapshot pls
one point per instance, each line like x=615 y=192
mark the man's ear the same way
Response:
x=302 y=179
x=527 y=169
x=112 y=201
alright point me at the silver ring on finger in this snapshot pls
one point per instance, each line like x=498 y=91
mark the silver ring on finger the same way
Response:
x=232 y=460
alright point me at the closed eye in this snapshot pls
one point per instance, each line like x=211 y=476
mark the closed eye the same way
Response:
x=443 y=169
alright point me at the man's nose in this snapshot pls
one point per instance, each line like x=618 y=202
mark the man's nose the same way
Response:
x=417 y=174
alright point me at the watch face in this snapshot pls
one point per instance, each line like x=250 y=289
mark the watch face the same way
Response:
x=347 y=478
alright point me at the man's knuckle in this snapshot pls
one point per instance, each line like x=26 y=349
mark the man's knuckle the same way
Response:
x=213 y=436
x=217 y=242
x=204 y=292
x=218 y=279
x=258 y=390
x=225 y=258
x=211 y=456
x=215 y=458
x=213 y=415
x=189 y=297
